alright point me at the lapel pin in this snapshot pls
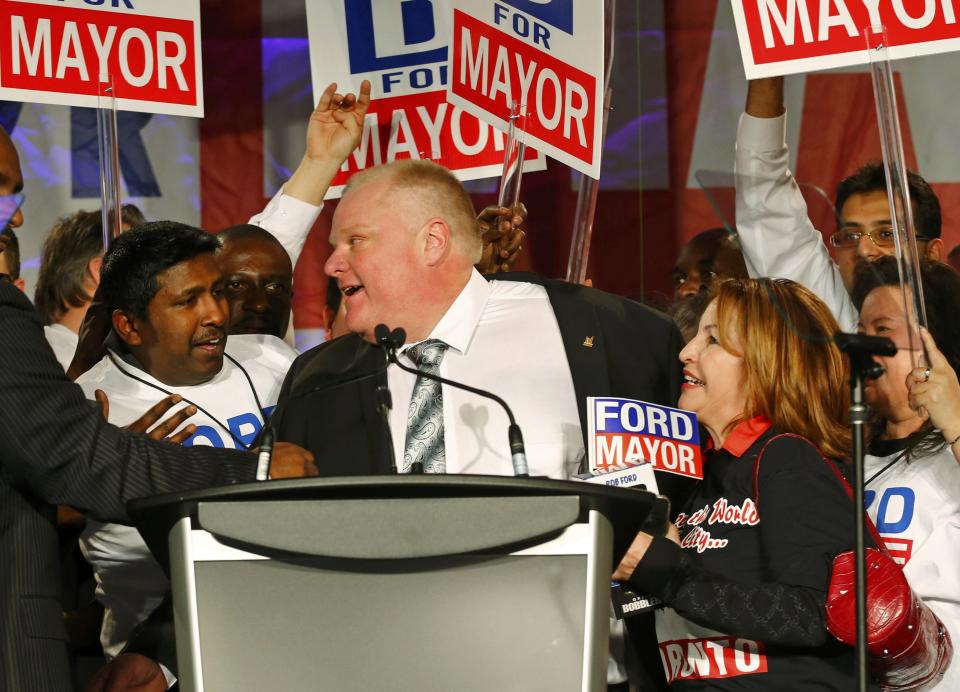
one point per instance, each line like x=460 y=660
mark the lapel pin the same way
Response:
x=588 y=342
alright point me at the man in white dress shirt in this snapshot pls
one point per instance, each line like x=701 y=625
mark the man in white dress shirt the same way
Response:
x=405 y=241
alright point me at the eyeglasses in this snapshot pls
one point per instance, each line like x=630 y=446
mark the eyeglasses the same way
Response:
x=884 y=238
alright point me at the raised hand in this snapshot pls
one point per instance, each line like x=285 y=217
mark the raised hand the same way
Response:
x=336 y=123
x=333 y=132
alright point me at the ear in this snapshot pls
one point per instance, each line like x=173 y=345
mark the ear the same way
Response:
x=437 y=241
x=127 y=328
x=93 y=269
x=935 y=250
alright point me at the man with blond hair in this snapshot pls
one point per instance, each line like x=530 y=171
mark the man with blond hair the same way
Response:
x=405 y=240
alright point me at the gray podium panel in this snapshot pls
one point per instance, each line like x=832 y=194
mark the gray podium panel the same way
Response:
x=393 y=583
x=455 y=623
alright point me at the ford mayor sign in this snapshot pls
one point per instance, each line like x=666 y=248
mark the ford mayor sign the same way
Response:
x=402 y=47
x=65 y=51
x=545 y=56
x=623 y=432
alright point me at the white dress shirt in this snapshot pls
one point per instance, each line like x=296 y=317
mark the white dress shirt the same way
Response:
x=502 y=337
x=776 y=235
x=63 y=342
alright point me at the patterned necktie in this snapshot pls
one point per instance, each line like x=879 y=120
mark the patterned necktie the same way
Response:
x=424 y=441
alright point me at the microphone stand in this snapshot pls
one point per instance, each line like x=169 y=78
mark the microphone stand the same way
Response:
x=861 y=349
x=384 y=405
x=392 y=341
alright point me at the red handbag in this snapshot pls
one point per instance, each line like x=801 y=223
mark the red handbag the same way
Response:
x=908 y=644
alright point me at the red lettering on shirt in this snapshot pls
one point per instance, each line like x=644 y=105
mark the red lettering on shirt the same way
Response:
x=714 y=657
x=725 y=513
x=702 y=540
x=900 y=549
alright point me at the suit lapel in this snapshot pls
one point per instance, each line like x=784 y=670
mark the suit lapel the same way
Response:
x=583 y=342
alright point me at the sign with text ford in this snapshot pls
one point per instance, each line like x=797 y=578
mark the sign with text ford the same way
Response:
x=401 y=46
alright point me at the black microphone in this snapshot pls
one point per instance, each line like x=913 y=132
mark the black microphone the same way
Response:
x=392 y=341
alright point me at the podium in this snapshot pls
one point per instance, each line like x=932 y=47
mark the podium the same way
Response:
x=427 y=582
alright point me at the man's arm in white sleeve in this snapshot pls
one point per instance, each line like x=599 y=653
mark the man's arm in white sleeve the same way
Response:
x=776 y=234
x=333 y=132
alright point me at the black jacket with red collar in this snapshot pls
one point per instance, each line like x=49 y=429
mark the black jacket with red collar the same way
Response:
x=747 y=585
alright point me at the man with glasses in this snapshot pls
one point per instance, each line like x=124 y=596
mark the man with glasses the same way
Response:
x=776 y=235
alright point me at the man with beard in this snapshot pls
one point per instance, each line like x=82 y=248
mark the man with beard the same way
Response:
x=165 y=292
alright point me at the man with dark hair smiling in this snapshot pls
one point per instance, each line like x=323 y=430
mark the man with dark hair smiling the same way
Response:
x=166 y=295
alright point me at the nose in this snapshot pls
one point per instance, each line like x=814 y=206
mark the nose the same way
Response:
x=868 y=249
x=335 y=264
x=255 y=299
x=216 y=309
x=691 y=286
x=688 y=353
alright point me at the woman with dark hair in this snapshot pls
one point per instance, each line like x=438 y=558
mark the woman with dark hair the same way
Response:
x=744 y=574
x=911 y=473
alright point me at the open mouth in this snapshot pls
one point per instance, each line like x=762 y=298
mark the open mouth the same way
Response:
x=692 y=381
x=351 y=290
x=211 y=345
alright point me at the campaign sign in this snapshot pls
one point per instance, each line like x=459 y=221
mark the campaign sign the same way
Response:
x=625 y=431
x=61 y=51
x=401 y=46
x=785 y=36
x=544 y=56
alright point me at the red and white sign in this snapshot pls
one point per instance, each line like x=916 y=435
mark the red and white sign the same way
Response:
x=712 y=657
x=546 y=57
x=401 y=47
x=786 y=36
x=61 y=52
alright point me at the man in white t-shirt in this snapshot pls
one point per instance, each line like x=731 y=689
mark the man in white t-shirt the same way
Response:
x=165 y=292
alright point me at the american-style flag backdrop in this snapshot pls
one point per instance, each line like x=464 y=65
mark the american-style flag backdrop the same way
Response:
x=678 y=92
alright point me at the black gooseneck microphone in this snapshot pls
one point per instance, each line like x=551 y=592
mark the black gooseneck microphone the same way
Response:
x=392 y=341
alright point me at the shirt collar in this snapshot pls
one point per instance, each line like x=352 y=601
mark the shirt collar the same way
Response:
x=739 y=440
x=459 y=323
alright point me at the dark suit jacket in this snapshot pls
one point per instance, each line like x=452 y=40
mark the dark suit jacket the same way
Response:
x=328 y=400
x=55 y=448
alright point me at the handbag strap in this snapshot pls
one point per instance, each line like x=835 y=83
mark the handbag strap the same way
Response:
x=877 y=539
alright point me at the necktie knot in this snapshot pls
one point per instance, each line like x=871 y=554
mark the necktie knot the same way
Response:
x=428 y=354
